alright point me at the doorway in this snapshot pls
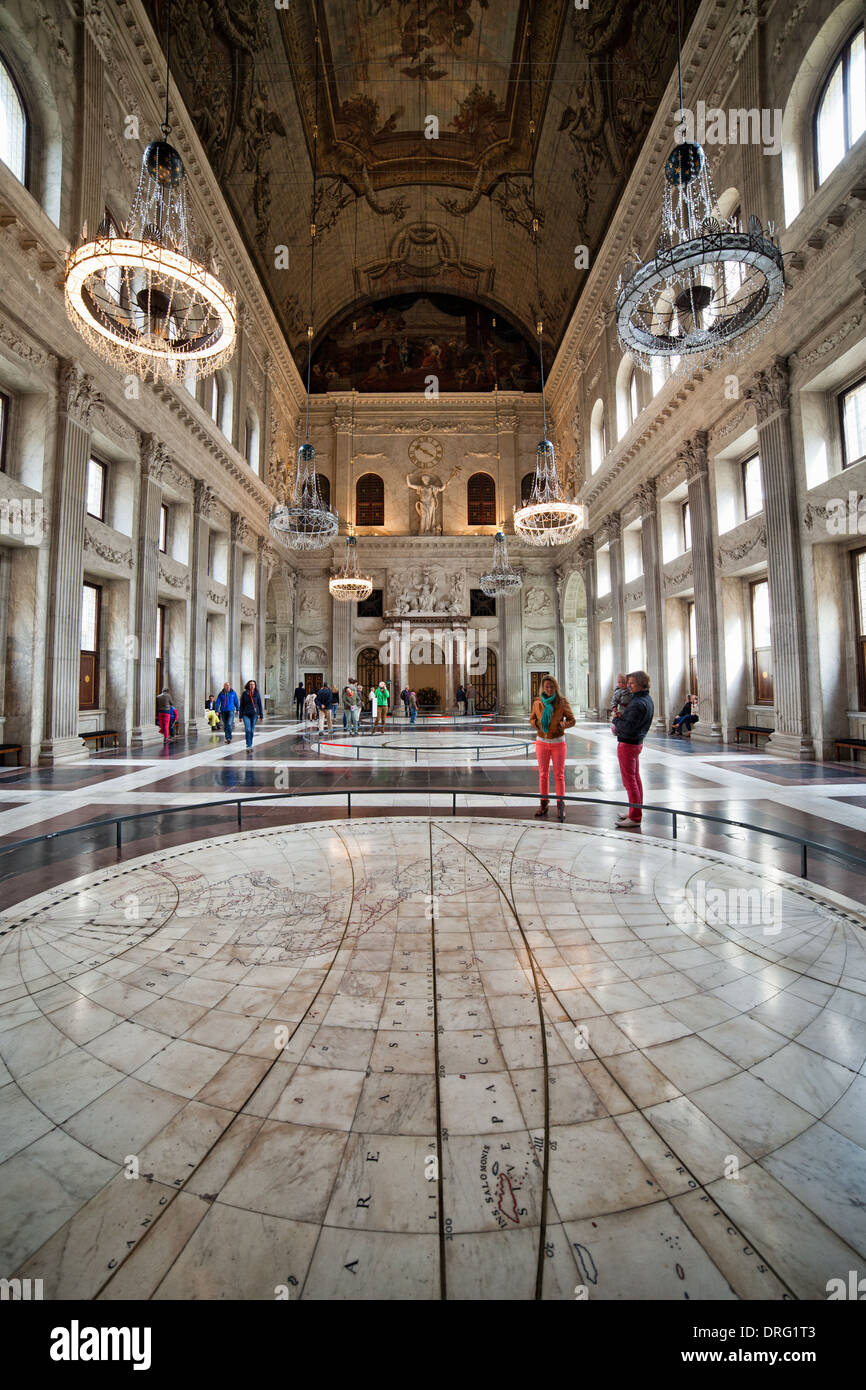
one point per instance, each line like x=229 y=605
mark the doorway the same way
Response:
x=536 y=678
x=312 y=682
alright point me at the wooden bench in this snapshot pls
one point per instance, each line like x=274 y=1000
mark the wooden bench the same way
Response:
x=99 y=735
x=12 y=748
x=755 y=731
x=853 y=743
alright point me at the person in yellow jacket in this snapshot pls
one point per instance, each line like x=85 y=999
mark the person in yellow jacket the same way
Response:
x=550 y=717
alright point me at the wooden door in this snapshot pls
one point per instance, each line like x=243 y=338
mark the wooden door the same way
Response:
x=536 y=678
x=313 y=681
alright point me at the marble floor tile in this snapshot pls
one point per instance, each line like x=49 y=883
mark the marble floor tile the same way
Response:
x=182 y=1067
x=755 y=1115
x=810 y=1081
x=321 y=1096
x=694 y=1139
x=594 y=1170
x=691 y=1063
x=826 y=1171
x=372 y=1265
x=43 y=1186
x=744 y=1040
x=20 y=1121
x=123 y=1119
x=289 y=1170
x=240 y=1256
x=648 y=1253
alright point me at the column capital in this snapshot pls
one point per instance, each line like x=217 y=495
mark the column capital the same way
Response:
x=78 y=394
x=645 y=496
x=240 y=529
x=693 y=454
x=342 y=424
x=204 y=499
x=613 y=526
x=154 y=457
x=584 y=552
x=770 y=389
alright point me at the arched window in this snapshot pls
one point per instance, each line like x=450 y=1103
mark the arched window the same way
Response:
x=526 y=486
x=215 y=397
x=597 y=436
x=370 y=670
x=627 y=406
x=13 y=125
x=370 y=500
x=324 y=488
x=251 y=440
x=481 y=500
x=840 y=115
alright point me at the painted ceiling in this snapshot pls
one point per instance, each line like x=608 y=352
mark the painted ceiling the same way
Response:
x=432 y=122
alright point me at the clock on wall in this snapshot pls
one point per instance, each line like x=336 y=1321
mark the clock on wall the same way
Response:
x=425 y=453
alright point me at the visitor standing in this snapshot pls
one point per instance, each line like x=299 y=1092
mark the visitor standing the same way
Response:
x=227 y=707
x=404 y=696
x=310 y=707
x=470 y=698
x=381 y=705
x=163 y=713
x=352 y=707
x=323 y=705
x=551 y=715
x=299 y=700
x=251 y=709
x=631 y=728
x=372 y=699
x=461 y=700
x=413 y=706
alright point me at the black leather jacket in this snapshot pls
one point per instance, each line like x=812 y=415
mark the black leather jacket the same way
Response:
x=636 y=719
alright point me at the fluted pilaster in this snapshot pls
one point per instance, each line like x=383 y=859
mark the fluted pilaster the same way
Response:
x=694 y=455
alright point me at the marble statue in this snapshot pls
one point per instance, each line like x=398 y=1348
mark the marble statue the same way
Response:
x=426 y=504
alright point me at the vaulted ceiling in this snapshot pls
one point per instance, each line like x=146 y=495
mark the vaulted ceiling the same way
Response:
x=430 y=121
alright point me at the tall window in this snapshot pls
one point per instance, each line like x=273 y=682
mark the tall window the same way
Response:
x=526 y=487
x=634 y=405
x=687 y=526
x=840 y=118
x=658 y=373
x=215 y=403
x=858 y=560
x=371 y=607
x=733 y=271
x=597 y=436
x=753 y=487
x=96 y=478
x=88 y=670
x=160 y=645
x=251 y=441
x=762 y=651
x=163 y=528
x=324 y=489
x=852 y=411
x=693 y=651
x=13 y=125
x=4 y=429
x=370 y=500
x=481 y=500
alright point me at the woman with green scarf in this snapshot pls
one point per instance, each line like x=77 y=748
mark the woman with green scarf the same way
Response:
x=551 y=716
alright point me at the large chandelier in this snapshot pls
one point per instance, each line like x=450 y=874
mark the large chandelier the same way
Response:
x=711 y=290
x=347 y=585
x=305 y=521
x=547 y=517
x=139 y=297
x=501 y=579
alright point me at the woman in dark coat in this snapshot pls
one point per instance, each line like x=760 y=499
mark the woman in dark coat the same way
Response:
x=251 y=709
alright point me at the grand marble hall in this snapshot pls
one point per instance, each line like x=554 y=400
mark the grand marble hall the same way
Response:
x=416 y=354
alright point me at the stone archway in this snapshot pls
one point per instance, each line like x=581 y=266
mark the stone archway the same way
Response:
x=278 y=646
x=575 y=640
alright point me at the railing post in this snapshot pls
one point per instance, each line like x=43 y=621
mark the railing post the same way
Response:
x=804 y=863
x=118 y=827
x=454 y=803
x=239 y=815
x=349 y=805
x=673 y=825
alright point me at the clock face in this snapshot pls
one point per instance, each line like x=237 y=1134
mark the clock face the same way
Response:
x=425 y=453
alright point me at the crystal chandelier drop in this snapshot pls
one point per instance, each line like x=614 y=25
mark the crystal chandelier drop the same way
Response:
x=347 y=585
x=711 y=290
x=501 y=579
x=139 y=297
x=546 y=516
x=305 y=521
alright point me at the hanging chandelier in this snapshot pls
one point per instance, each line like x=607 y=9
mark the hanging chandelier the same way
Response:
x=347 y=585
x=501 y=579
x=305 y=521
x=546 y=516
x=139 y=297
x=711 y=290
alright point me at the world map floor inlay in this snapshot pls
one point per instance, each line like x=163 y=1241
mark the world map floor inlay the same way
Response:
x=433 y=1058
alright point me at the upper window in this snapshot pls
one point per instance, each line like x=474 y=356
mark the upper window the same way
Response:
x=687 y=527
x=858 y=560
x=251 y=441
x=371 y=607
x=215 y=402
x=481 y=500
x=597 y=436
x=13 y=125
x=753 y=488
x=852 y=411
x=481 y=605
x=324 y=486
x=840 y=117
x=4 y=429
x=634 y=405
x=526 y=487
x=369 y=500
x=96 y=477
x=163 y=528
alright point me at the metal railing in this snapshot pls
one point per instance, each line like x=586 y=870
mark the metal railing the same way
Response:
x=275 y=797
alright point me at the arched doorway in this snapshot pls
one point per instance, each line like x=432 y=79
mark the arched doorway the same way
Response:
x=486 y=687
x=369 y=669
x=576 y=675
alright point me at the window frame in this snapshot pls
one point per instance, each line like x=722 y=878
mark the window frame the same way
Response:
x=100 y=463
x=840 y=406
x=686 y=526
x=758 y=699
x=370 y=516
x=481 y=605
x=28 y=124
x=843 y=56
x=93 y=652
x=859 y=627
x=747 y=515
x=162 y=537
x=481 y=509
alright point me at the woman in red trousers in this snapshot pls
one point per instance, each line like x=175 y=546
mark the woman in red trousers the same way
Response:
x=551 y=716
x=631 y=727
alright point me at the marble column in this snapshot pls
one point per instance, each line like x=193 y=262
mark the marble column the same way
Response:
x=239 y=531
x=76 y=401
x=585 y=558
x=652 y=577
x=694 y=456
x=511 y=673
x=769 y=392
x=264 y=565
x=617 y=601
x=203 y=504
x=91 y=142
x=342 y=496
x=154 y=457
x=509 y=470
x=342 y=615
x=561 y=575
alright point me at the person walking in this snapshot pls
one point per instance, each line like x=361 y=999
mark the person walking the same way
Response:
x=299 y=700
x=550 y=716
x=631 y=728
x=163 y=713
x=251 y=709
x=381 y=705
x=310 y=707
x=461 y=700
x=352 y=707
x=227 y=707
x=323 y=705
x=413 y=706
x=404 y=696
x=470 y=698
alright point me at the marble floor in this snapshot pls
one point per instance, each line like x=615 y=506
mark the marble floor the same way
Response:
x=425 y=1057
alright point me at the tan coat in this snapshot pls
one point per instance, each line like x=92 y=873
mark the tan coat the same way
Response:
x=562 y=718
